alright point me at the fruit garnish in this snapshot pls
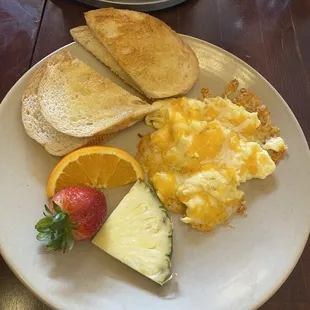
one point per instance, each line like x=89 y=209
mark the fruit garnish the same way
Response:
x=139 y=234
x=94 y=166
x=74 y=214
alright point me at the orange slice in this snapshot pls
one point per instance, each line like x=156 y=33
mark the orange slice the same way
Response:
x=94 y=166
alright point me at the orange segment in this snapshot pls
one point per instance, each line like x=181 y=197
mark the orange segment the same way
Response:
x=94 y=166
x=122 y=171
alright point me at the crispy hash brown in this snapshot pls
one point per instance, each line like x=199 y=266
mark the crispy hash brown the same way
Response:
x=251 y=103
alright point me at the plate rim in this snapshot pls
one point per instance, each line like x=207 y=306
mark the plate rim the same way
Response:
x=149 y=6
x=276 y=287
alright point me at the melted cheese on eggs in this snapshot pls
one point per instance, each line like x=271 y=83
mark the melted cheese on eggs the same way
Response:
x=200 y=154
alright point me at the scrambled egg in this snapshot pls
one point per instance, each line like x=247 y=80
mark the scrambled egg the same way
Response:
x=200 y=153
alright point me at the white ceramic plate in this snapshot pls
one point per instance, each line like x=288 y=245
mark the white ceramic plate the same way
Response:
x=236 y=268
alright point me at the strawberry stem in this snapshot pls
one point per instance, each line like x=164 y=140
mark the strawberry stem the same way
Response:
x=56 y=228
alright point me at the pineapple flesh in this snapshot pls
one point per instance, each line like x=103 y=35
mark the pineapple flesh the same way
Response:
x=139 y=234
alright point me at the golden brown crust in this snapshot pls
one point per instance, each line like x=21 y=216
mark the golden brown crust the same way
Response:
x=231 y=87
x=251 y=103
x=277 y=156
x=154 y=56
x=205 y=93
x=84 y=36
x=36 y=126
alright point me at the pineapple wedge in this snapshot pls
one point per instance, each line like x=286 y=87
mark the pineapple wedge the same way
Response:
x=139 y=234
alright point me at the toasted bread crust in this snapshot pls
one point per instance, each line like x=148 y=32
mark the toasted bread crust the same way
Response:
x=84 y=36
x=151 y=53
x=78 y=101
x=36 y=126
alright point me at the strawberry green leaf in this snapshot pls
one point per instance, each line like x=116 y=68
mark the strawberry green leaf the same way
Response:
x=59 y=221
x=57 y=230
x=59 y=217
x=48 y=211
x=64 y=245
x=52 y=235
x=70 y=243
x=69 y=240
x=55 y=244
x=43 y=236
x=44 y=223
x=56 y=207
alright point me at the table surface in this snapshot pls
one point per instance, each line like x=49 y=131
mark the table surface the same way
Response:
x=273 y=36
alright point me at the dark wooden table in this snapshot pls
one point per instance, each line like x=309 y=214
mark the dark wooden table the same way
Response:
x=273 y=36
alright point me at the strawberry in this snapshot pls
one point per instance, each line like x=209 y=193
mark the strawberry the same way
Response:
x=74 y=214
